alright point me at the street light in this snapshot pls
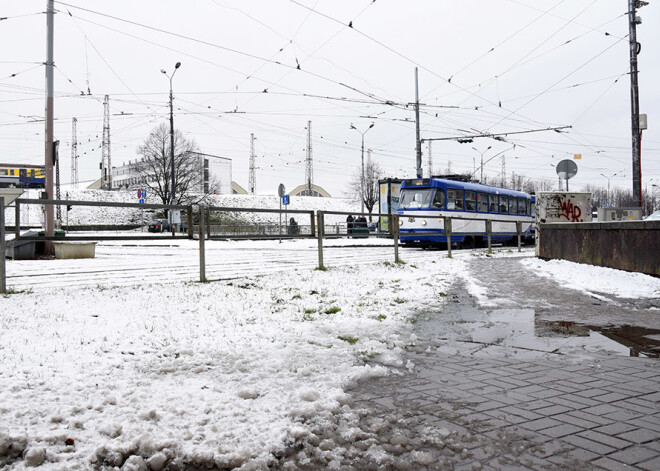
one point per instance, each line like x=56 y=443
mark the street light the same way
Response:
x=176 y=66
x=608 y=185
x=362 y=177
x=481 y=177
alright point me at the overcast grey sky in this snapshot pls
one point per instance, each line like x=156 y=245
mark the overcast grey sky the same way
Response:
x=269 y=66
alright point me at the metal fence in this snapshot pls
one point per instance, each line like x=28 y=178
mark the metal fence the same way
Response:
x=216 y=223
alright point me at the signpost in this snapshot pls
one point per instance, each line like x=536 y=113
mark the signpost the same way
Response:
x=566 y=169
x=142 y=195
x=281 y=191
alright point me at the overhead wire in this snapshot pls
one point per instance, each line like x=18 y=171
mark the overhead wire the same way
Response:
x=504 y=41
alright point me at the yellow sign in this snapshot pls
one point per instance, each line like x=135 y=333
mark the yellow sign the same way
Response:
x=577 y=156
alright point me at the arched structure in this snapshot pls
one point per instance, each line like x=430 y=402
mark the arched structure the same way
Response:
x=237 y=189
x=316 y=190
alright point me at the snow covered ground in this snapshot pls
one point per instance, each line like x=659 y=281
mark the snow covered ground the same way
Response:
x=85 y=215
x=216 y=373
x=227 y=374
x=222 y=373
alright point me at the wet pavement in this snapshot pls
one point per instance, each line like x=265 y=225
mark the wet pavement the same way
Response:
x=547 y=378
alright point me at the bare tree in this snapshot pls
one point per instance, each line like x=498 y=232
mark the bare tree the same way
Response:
x=372 y=173
x=154 y=168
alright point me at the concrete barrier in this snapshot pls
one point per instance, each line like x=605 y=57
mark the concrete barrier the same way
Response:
x=71 y=249
x=626 y=245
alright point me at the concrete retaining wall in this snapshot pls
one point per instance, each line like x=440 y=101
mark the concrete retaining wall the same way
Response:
x=626 y=245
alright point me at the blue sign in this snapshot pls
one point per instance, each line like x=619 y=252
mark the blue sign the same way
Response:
x=144 y=194
x=285 y=200
x=141 y=200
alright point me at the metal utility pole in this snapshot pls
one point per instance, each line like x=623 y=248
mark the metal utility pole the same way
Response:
x=635 y=49
x=418 y=141
x=362 y=157
x=56 y=157
x=74 y=153
x=176 y=66
x=49 y=216
x=106 y=165
x=252 y=184
x=309 y=177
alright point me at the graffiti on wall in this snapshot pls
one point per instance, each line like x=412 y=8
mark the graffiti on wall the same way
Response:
x=570 y=211
x=564 y=207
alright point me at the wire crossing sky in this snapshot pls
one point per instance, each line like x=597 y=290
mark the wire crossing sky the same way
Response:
x=269 y=66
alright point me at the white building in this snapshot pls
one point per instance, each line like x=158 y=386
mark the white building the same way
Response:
x=214 y=171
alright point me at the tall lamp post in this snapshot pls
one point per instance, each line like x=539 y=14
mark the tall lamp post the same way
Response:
x=608 y=185
x=481 y=176
x=176 y=66
x=362 y=174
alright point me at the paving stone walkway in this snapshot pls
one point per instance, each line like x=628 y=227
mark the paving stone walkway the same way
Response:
x=503 y=407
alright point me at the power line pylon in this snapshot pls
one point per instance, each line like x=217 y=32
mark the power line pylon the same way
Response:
x=74 y=153
x=430 y=161
x=106 y=163
x=253 y=169
x=309 y=171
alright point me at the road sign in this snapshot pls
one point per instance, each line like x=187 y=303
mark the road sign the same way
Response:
x=285 y=200
x=144 y=194
x=141 y=200
x=566 y=169
x=281 y=190
x=139 y=194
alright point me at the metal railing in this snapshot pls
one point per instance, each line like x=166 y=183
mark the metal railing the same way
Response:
x=268 y=230
x=156 y=207
x=448 y=229
x=387 y=226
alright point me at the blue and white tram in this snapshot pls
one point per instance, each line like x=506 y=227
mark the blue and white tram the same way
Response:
x=424 y=202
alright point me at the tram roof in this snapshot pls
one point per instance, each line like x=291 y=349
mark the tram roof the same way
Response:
x=456 y=184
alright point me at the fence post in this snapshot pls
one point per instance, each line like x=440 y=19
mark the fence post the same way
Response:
x=312 y=228
x=190 y=222
x=447 y=222
x=202 y=250
x=3 y=266
x=17 y=221
x=208 y=222
x=489 y=233
x=395 y=235
x=319 y=235
x=519 y=231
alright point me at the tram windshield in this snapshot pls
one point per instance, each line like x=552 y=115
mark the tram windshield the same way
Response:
x=416 y=198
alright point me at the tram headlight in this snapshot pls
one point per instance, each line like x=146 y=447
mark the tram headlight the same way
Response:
x=400 y=222
x=423 y=222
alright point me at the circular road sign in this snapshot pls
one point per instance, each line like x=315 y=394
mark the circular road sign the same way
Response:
x=281 y=190
x=566 y=169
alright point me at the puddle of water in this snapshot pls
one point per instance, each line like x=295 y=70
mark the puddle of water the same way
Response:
x=522 y=329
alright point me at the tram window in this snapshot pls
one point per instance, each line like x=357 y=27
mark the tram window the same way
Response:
x=470 y=201
x=455 y=199
x=483 y=202
x=522 y=206
x=513 y=205
x=492 y=204
x=3 y=171
x=504 y=204
x=415 y=198
x=439 y=199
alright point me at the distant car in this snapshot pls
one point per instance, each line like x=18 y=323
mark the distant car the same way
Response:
x=655 y=216
x=372 y=227
x=159 y=225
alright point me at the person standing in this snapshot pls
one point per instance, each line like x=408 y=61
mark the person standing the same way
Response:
x=349 y=224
